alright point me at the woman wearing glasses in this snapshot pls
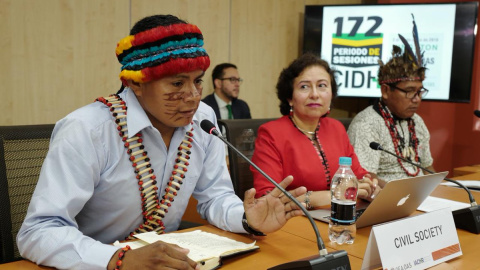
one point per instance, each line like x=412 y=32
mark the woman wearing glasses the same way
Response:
x=393 y=122
x=304 y=142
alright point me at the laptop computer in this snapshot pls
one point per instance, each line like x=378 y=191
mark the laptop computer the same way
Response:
x=398 y=199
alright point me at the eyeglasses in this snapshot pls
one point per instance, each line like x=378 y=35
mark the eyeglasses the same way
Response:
x=412 y=94
x=233 y=80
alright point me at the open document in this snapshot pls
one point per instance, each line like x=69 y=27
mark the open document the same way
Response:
x=207 y=249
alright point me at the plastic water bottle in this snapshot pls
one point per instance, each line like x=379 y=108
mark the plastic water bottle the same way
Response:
x=344 y=187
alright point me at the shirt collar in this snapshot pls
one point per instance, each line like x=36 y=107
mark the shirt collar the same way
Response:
x=137 y=118
x=220 y=101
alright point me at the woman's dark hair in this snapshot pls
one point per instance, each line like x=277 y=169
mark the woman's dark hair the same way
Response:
x=288 y=75
x=152 y=22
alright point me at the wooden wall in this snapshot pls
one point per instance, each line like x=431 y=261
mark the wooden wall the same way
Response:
x=58 y=55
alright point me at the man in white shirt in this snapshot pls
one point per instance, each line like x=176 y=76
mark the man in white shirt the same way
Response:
x=109 y=175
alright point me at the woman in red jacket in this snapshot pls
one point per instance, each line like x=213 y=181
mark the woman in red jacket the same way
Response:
x=304 y=142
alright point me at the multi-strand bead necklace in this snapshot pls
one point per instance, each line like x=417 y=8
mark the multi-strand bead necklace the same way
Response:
x=153 y=209
x=409 y=151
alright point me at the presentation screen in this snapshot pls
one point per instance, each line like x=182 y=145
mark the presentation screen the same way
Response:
x=353 y=38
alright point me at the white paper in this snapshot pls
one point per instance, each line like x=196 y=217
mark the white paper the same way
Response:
x=132 y=244
x=434 y=203
x=473 y=184
x=202 y=245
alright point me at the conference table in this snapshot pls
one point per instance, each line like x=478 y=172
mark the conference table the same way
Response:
x=296 y=240
x=469 y=242
x=459 y=171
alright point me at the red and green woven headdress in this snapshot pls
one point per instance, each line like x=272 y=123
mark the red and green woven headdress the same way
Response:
x=162 y=51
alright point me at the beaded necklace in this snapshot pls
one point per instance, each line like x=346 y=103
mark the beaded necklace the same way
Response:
x=319 y=149
x=409 y=151
x=302 y=130
x=153 y=209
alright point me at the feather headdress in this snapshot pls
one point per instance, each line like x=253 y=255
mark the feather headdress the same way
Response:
x=408 y=66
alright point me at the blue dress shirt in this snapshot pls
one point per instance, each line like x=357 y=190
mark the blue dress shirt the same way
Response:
x=87 y=195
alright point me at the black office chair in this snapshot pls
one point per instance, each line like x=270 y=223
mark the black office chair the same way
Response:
x=345 y=121
x=241 y=133
x=22 y=151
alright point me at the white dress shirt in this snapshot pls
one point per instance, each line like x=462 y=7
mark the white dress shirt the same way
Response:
x=87 y=195
x=222 y=106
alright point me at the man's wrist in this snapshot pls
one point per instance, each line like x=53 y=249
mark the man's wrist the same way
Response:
x=249 y=229
x=113 y=260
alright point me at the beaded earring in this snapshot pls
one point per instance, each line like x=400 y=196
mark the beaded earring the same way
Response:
x=291 y=110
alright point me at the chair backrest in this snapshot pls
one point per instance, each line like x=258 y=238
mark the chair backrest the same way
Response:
x=22 y=151
x=241 y=133
x=345 y=121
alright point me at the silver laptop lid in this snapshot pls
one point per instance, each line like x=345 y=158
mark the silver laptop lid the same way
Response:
x=398 y=199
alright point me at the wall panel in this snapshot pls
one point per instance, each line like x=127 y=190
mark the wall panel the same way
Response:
x=265 y=39
x=58 y=55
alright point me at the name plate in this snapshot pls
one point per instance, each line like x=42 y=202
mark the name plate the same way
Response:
x=416 y=242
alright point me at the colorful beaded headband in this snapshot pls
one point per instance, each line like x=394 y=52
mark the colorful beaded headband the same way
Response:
x=408 y=66
x=402 y=79
x=160 y=52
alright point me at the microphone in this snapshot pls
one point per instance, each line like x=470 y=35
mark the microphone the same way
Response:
x=477 y=113
x=325 y=260
x=467 y=218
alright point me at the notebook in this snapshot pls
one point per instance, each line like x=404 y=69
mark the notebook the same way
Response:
x=398 y=199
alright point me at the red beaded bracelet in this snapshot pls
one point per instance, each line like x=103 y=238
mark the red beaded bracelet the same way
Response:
x=120 y=256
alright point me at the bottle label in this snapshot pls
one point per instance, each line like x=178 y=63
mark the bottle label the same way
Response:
x=343 y=213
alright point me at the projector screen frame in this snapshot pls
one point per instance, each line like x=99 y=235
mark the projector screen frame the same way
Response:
x=462 y=52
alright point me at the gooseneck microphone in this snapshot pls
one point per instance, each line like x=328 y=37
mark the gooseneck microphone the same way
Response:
x=324 y=260
x=477 y=113
x=377 y=146
x=467 y=218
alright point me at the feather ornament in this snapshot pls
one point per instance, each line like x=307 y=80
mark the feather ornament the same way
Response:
x=397 y=51
x=408 y=50
x=403 y=66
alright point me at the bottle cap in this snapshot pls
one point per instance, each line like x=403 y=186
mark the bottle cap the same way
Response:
x=345 y=161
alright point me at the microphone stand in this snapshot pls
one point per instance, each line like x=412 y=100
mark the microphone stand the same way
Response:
x=466 y=218
x=324 y=260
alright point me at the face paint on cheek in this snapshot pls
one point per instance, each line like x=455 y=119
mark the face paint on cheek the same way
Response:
x=172 y=101
x=177 y=96
x=171 y=104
